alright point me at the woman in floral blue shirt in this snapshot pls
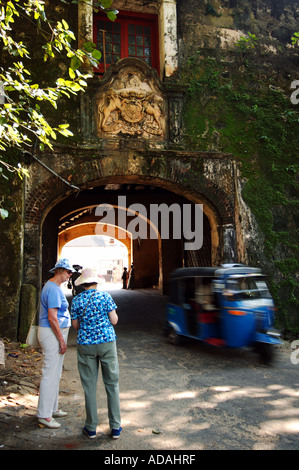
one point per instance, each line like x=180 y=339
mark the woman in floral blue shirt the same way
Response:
x=93 y=315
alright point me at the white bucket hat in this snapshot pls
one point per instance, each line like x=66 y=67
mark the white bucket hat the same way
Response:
x=88 y=276
x=63 y=263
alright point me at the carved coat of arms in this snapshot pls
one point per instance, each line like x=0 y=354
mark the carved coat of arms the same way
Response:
x=131 y=105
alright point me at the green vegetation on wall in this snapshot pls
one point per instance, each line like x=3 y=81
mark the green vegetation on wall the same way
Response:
x=233 y=106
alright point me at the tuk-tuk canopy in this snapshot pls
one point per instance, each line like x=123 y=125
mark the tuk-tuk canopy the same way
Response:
x=216 y=271
x=193 y=272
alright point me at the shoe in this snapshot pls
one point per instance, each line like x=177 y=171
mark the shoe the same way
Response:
x=50 y=424
x=90 y=434
x=59 y=414
x=115 y=433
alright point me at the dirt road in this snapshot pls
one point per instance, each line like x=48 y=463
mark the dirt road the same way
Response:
x=182 y=398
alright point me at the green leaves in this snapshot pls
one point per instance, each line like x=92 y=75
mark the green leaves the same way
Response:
x=106 y=6
x=23 y=118
x=88 y=52
x=248 y=42
x=3 y=213
x=112 y=14
x=295 y=39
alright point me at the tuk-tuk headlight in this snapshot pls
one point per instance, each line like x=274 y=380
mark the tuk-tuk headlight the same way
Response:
x=237 y=312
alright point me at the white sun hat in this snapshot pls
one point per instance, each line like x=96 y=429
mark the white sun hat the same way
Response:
x=88 y=276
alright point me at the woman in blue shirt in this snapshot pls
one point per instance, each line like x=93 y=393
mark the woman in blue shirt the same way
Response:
x=54 y=324
x=93 y=315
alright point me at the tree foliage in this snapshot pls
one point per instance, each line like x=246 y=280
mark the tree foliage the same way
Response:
x=295 y=39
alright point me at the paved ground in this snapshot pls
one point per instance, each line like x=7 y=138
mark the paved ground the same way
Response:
x=184 y=398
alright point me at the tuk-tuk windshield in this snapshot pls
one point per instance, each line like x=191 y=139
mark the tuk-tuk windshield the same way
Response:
x=247 y=287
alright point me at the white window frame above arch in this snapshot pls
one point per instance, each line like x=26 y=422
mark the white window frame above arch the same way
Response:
x=167 y=20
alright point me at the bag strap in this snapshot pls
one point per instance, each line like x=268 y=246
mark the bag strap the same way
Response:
x=88 y=301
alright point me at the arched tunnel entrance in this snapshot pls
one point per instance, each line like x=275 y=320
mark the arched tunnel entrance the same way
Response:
x=106 y=254
x=122 y=211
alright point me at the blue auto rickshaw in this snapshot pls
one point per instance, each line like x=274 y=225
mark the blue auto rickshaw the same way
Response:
x=229 y=306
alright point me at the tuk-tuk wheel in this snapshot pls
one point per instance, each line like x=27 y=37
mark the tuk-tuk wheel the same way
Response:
x=173 y=337
x=265 y=351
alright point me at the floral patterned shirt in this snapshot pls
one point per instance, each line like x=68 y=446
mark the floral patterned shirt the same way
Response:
x=95 y=326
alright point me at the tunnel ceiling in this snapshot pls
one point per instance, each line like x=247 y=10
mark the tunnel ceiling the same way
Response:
x=81 y=204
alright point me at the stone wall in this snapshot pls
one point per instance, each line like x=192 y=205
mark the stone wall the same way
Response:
x=217 y=24
x=11 y=255
x=243 y=106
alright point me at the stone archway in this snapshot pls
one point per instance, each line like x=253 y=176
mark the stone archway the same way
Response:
x=48 y=198
x=77 y=228
x=81 y=230
x=147 y=247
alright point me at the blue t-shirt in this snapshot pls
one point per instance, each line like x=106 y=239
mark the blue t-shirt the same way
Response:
x=53 y=297
x=95 y=326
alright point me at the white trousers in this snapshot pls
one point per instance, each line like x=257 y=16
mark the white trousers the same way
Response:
x=51 y=371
